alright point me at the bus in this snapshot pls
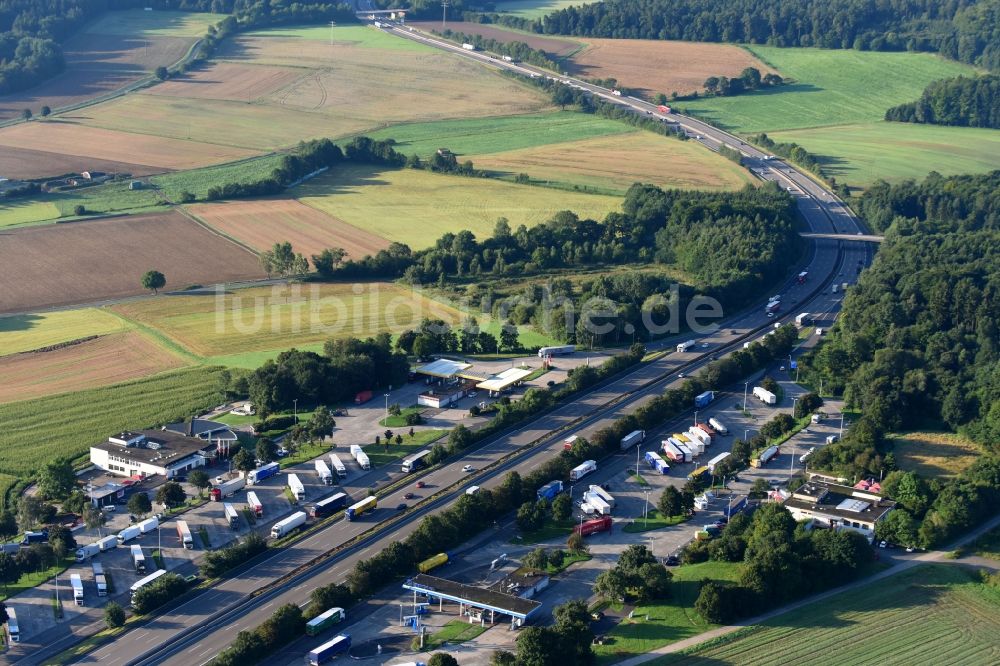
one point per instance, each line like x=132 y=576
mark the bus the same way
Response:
x=416 y=461
x=156 y=575
x=15 y=633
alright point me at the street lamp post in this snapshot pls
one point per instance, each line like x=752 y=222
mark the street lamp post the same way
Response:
x=295 y=411
x=386 y=408
x=746 y=387
x=795 y=402
x=645 y=511
x=841 y=436
x=696 y=418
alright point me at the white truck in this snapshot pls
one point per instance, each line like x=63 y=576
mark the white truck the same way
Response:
x=718 y=426
x=298 y=490
x=227 y=489
x=684 y=346
x=803 y=319
x=84 y=553
x=765 y=457
x=232 y=517
x=633 y=438
x=764 y=395
x=148 y=525
x=128 y=534
x=716 y=460
x=286 y=526
x=699 y=435
x=468 y=47
x=184 y=534
x=596 y=501
x=138 y=559
x=360 y=457
x=253 y=503
x=77 y=585
x=323 y=472
x=603 y=494
x=338 y=465
x=109 y=542
x=582 y=470
x=100 y=580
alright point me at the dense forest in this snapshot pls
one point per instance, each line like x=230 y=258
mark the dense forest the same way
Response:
x=964 y=30
x=967 y=102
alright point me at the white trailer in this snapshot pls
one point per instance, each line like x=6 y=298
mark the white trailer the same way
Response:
x=684 y=346
x=603 y=494
x=696 y=446
x=128 y=534
x=100 y=580
x=77 y=585
x=672 y=451
x=697 y=434
x=718 y=426
x=148 y=525
x=360 y=457
x=716 y=460
x=228 y=488
x=803 y=319
x=323 y=472
x=184 y=534
x=254 y=504
x=689 y=453
x=86 y=552
x=285 y=526
x=582 y=470
x=138 y=559
x=600 y=506
x=338 y=465
x=468 y=47
x=633 y=438
x=765 y=457
x=298 y=490
x=556 y=351
x=764 y=395
x=109 y=542
x=232 y=517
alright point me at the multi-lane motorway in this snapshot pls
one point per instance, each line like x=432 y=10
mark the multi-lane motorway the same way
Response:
x=201 y=627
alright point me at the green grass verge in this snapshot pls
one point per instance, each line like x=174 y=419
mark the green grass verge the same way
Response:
x=478 y=136
x=304 y=453
x=670 y=620
x=384 y=455
x=455 y=631
x=570 y=559
x=988 y=545
x=928 y=615
x=355 y=35
x=653 y=521
x=551 y=530
x=399 y=420
x=34 y=579
x=534 y=9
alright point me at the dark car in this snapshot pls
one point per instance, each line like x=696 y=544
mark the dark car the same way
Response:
x=401 y=506
x=672 y=561
x=420 y=484
x=409 y=496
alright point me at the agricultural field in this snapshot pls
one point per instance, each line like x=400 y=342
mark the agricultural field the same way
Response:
x=105 y=259
x=28 y=332
x=31 y=164
x=418 y=207
x=118 y=49
x=553 y=45
x=49 y=207
x=939 y=455
x=198 y=181
x=534 y=8
x=282 y=316
x=42 y=429
x=934 y=614
x=669 y=621
x=261 y=223
x=108 y=359
x=611 y=164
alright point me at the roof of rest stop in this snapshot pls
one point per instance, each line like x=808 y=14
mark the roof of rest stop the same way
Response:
x=473 y=596
x=443 y=367
x=501 y=381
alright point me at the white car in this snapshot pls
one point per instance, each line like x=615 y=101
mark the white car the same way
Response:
x=770 y=314
x=681 y=375
x=467 y=468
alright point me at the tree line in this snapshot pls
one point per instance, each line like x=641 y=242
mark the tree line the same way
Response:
x=749 y=80
x=965 y=30
x=961 y=101
x=517 y=50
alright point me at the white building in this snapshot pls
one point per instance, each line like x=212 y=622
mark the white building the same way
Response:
x=150 y=452
x=839 y=507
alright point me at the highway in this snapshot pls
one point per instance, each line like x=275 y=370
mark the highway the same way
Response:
x=201 y=627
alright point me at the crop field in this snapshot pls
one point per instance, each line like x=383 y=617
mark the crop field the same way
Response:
x=108 y=198
x=614 y=163
x=417 y=207
x=653 y=66
x=934 y=614
x=27 y=163
x=534 y=8
x=198 y=181
x=669 y=621
x=554 y=46
x=227 y=81
x=262 y=223
x=109 y=359
x=283 y=316
x=934 y=454
x=27 y=332
x=69 y=134
x=120 y=48
x=42 y=429
x=861 y=154
x=831 y=87
x=101 y=259
x=478 y=136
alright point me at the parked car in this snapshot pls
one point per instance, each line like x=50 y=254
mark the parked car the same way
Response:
x=672 y=561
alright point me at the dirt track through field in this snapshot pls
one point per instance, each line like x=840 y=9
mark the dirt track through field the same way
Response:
x=105 y=360
x=83 y=262
x=262 y=223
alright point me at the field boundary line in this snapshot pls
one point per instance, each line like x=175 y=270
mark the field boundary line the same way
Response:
x=201 y=223
x=159 y=337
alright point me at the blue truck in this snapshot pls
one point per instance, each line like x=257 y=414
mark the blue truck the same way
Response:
x=329 y=505
x=550 y=490
x=657 y=463
x=704 y=399
x=255 y=476
x=330 y=649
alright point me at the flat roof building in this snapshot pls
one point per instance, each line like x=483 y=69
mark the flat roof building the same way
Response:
x=838 y=506
x=145 y=453
x=474 y=600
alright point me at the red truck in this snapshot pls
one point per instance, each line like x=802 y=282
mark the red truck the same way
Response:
x=589 y=527
x=362 y=397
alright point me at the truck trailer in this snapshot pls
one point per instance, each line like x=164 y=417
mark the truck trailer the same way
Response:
x=707 y=429
x=685 y=346
x=129 y=533
x=298 y=490
x=556 y=351
x=672 y=451
x=697 y=434
x=656 y=463
x=359 y=509
x=765 y=457
x=327 y=651
x=227 y=489
x=99 y=579
x=699 y=474
x=764 y=395
x=468 y=47
x=77 y=584
x=588 y=527
x=232 y=517
x=596 y=501
x=109 y=542
x=716 y=460
x=324 y=621
x=550 y=490
x=416 y=461
x=254 y=504
x=360 y=457
x=255 y=476
x=138 y=559
x=327 y=506
x=633 y=438
x=184 y=534
x=323 y=472
x=582 y=470
x=689 y=453
x=569 y=442
x=718 y=426
x=704 y=399
x=433 y=562
x=286 y=526
x=148 y=525
x=86 y=552
x=803 y=319
x=603 y=494
x=338 y=465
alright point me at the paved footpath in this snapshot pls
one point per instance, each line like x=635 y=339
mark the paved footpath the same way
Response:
x=936 y=556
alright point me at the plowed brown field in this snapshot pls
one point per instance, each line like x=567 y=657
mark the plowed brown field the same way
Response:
x=25 y=163
x=109 y=359
x=228 y=81
x=83 y=262
x=261 y=224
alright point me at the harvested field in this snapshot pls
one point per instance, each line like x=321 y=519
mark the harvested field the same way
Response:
x=554 y=46
x=262 y=223
x=27 y=163
x=151 y=24
x=88 y=261
x=418 y=207
x=28 y=332
x=227 y=81
x=111 y=145
x=660 y=66
x=938 y=455
x=283 y=315
x=616 y=162
x=105 y=360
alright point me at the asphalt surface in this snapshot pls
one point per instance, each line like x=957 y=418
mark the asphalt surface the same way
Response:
x=195 y=631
